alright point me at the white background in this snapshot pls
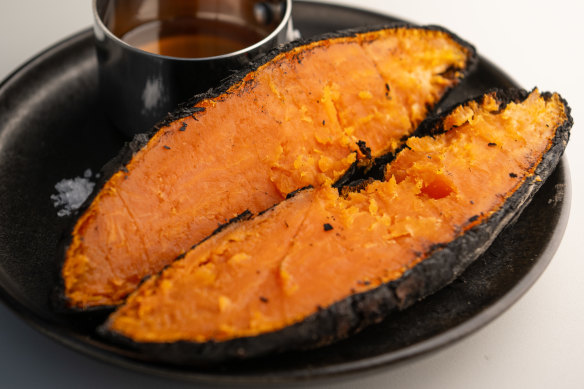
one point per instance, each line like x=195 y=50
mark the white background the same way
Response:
x=538 y=343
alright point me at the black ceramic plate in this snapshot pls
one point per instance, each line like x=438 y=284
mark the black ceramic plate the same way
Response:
x=51 y=128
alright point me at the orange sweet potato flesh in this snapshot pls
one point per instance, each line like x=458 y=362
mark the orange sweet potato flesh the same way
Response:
x=320 y=247
x=292 y=122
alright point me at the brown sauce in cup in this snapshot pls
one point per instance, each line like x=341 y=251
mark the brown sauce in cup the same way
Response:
x=191 y=37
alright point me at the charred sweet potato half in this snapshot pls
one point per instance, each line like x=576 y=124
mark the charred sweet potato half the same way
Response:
x=323 y=264
x=304 y=115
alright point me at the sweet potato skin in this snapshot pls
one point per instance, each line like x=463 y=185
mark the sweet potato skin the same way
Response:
x=443 y=264
x=190 y=109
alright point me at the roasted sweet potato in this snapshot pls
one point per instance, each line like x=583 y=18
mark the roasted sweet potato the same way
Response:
x=322 y=265
x=304 y=115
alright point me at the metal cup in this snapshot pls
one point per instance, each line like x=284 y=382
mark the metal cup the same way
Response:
x=138 y=88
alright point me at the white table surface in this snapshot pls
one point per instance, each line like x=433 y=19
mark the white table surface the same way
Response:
x=537 y=343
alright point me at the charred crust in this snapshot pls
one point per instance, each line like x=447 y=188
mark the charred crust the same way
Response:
x=433 y=124
x=327 y=227
x=184 y=110
x=366 y=151
x=245 y=215
x=355 y=186
x=269 y=209
x=354 y=172
x=149 y=276
x=294 y=193
x=451 y=72
x=377 y=170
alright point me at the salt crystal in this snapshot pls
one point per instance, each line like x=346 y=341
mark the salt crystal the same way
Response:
x=72 y=193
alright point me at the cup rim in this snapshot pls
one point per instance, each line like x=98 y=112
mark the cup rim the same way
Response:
x=283 y=23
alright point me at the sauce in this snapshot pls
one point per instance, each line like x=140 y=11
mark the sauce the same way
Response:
x=191 y=37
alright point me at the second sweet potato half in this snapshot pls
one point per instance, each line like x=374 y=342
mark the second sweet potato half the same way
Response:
x=321 y=265
x=306 y=114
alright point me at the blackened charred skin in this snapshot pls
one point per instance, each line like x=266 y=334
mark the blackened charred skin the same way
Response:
x=184 y=110
x=327 y=227
x=294 y=193
x=377 y=170
x=450 y=73
x=354 y=172
x=507 y=96
x=356 y=186
x=288 y=196
x=366 y=151
x=245 y=215
x=432 y=125
x=267 y=210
